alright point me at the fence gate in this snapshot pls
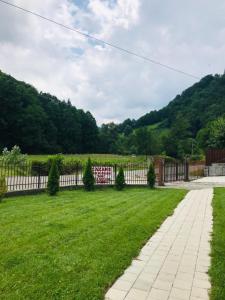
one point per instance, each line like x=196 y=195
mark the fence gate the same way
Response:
x=175 y=171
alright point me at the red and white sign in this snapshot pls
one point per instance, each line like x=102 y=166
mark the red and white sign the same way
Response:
x=102 y=174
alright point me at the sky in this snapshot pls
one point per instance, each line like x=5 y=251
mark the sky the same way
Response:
x=113 y=86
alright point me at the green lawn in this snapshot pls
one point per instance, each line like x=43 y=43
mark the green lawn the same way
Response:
x=75 y=245
x=217 y=270
x=98 y=158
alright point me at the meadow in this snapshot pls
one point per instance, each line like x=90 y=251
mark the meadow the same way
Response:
x=75 y=245
x=99 y=158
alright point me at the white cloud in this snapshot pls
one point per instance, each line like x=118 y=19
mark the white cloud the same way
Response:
x=113 y=86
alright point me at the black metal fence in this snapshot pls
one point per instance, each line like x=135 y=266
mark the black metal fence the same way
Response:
x=183 y=171
x=29 y=176
x=174 y=171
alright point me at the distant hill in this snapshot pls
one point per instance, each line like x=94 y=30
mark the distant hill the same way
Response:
x=182 y=127
x=199 y=104
x=40 y=123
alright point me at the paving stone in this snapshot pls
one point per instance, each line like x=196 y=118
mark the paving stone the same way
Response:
x=156 y=294
x=147 y=276
x=180 y=294
x=182 y=284
x=135 y=294
x=142 y=284
x=122 y=285
x=201 y=276
x=162 y=285
x=205 y=284
x=114 y=294
x=128 y=277
x=166 y=277
x=199 y=293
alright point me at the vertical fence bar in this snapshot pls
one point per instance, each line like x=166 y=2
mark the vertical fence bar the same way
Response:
x=177 y=171
x=115 y=173
x=186 y=171
x=39 y=178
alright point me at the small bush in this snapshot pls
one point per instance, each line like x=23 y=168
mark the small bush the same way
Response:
x=151 y=176
x=53 y=179
x=58 y=159
x=65 y=167
x=71 y=167
x=3 y=188
x=88 y=178
x=14 y=156
x=120 y=180
x=41 y=168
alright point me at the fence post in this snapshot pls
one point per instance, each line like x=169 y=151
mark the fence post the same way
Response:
x=76 y=173
x=115 y=172
x=161 y=172
x=186 y=177
x=176 y=171
x=159 y=162
x=39 y=177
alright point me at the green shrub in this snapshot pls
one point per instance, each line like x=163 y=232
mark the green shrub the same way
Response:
x=65 y=167
x=59 y=161
x=71 y=167
x=41 y=168
x=53 y=179
x=3 y=188
x=120 y=180
x=14 y=156
x=151 y=176
x=88 y=178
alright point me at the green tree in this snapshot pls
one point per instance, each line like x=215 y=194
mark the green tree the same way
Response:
x=151 y=176
x=3 y=188
x=46 y=124
x=176 y=143
x=88 y=178
x=108 y=136
x=53 y=179
x=120 y=180
x=144 y=141
x=217 y=133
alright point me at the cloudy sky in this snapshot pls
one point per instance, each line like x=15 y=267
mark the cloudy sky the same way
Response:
x=188 y=35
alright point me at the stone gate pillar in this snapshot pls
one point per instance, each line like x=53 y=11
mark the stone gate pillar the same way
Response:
x=159 y=170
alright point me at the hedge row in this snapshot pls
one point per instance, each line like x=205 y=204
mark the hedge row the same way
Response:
x=65 y=168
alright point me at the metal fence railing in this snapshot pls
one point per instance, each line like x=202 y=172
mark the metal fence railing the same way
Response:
x=34 y=177
x=29 y=176
x=174 y=171
x=180 y=171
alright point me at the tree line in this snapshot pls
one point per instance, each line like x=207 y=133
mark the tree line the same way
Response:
x=192 y=122
x=41 y=123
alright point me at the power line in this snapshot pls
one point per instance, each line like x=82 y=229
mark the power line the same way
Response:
x=100 y=41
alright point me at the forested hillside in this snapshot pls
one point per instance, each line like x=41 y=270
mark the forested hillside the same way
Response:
x=40 y=123
x=199 y=104
x=191 y=122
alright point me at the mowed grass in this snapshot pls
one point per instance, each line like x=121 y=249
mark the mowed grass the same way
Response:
x=217 y=271
x=97 y=158
x=75 y=245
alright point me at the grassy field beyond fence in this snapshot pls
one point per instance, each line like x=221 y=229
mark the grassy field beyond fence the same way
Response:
x=75 y=245
x=99 y=158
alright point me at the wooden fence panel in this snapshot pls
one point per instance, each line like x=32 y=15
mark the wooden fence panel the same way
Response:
x=215 y=156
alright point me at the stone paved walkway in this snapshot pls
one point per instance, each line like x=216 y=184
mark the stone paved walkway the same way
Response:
x=173 y=264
